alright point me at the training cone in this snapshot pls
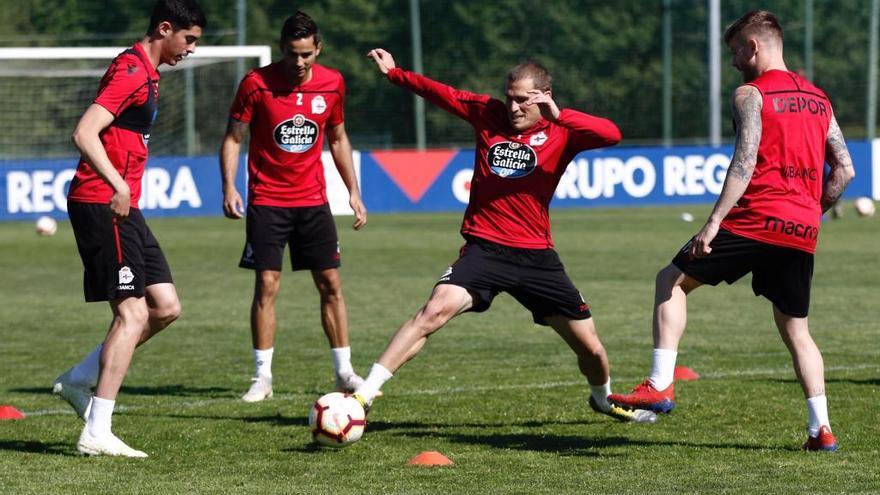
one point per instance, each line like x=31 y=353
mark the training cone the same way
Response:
x=9 y=412
x=430 y=458
x=685 y=374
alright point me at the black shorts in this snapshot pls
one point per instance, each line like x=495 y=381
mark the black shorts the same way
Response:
x=782 y=275
x=310 y=231
x=120 y=259
x=534 y=277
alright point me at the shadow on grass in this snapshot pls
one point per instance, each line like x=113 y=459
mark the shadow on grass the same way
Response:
x=281 y=420
x=866 y=381
x=37 y=447
x=170 y=390
x=179 y=391
x=578 y=445
x=574 y=445
x=273 y=420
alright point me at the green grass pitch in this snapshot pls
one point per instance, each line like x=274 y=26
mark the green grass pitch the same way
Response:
x=498 y=395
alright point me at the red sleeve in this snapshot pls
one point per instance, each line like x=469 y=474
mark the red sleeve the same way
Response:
x=337 y=116
x=243 y=105
x=586 y=131
x=124 y=84
x=463 y=104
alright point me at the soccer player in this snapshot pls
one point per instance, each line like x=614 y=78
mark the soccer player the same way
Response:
x=287 y=107
x=122 y=260
x=523 y=147
x=766 y=220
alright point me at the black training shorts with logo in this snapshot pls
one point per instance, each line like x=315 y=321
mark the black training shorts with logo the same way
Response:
x=309 y=230
x=120 y=258
x=534 y=277
x=781 y=274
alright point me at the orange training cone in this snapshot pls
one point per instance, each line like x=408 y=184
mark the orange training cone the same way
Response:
x=9 y=412
x=685 y=374
x=430 y=458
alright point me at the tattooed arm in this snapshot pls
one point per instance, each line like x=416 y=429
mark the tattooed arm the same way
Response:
x=836 y=155
x=747 y=105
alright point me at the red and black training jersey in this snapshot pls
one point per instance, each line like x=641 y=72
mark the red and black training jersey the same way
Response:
x=516 y=173
x=782 y=203
x=287 y=125
x=130 y=91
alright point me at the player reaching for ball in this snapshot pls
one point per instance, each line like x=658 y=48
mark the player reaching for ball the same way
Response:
x=523 y=147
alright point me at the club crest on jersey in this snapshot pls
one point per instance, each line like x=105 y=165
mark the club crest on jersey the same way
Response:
x=538 y=139
x=318 y=105
x=512 y=160
x=296 y=135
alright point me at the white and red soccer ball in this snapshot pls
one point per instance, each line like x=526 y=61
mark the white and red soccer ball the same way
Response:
x=864 y=206
x=46 y=226
x=337 y=420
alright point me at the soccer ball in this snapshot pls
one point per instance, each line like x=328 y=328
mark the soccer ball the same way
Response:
x=864 y=206
x=337 y=420
x=46 y=226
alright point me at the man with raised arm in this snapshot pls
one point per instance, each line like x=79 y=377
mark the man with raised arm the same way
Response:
x=523 y=146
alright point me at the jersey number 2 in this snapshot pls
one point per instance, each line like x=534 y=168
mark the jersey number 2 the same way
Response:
x=299 y=99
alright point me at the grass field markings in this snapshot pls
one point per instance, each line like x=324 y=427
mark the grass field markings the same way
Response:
x=459 y=390
x=619 y=380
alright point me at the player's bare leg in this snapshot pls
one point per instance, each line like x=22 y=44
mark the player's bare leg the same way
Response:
x=130 y=317
x=446 y=302
x=75 y=385
x=810 y=370
x=671 y=288
x=334 y=320
x=581 y=337
x=657 y=393
x=263 y=324
x=164 y=308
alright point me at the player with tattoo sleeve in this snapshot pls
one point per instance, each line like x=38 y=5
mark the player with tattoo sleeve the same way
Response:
x=766 y=220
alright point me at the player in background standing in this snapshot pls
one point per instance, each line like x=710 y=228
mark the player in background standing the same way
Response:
x=523 y=147
x=766 y=220
x=122 y=260
x=287 y=107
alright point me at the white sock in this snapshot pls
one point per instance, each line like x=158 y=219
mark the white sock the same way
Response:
x=600 y=394
x=662 y=368
x=377 y=377
x=263 y=361
x=86 y=371
x=817 y=409
x=100 y=417
x=342 y=361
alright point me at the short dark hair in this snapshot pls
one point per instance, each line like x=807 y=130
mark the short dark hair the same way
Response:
x=758 y=22
x=299 y=26
x=182 y=14
x=539 y=75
